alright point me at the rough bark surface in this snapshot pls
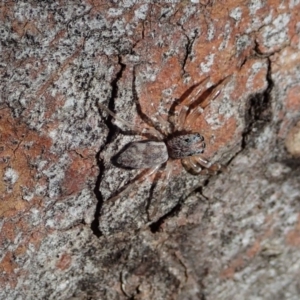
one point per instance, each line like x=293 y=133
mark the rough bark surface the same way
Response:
x=234 y=235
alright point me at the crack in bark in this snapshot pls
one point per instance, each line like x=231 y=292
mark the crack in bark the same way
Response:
x=259 y=113
x=188 y=47
x=155 y=226
x=112 y=131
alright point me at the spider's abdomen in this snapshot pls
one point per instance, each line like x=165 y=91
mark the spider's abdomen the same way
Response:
x=142 y=155
x=185 y=145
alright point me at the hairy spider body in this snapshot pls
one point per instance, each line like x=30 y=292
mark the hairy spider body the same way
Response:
x=170 y=142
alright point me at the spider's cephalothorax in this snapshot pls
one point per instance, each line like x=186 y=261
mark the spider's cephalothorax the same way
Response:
x=173 y=142
x=185 y=145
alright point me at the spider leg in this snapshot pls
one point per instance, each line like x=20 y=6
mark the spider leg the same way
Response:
x=199 y=165
x=209 y=167
x=164 y=124
x=134 y=183
x=181 y=118
x=193 y=116
x=142 y=130
x=214 y=92
x=168 y=172
x=162 y=190
x=201 y=161
x=163 y=129
x=191 y=98
x=191 y=166
x=196 y=93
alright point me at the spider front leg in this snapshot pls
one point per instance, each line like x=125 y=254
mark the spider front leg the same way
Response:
x=199 y=166
x=196 y=102
x=185 y=104
x=210 y=95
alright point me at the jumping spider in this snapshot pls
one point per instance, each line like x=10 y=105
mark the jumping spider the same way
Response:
x=170 y=141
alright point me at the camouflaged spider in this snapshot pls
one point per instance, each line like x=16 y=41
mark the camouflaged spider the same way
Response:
x=168 y=143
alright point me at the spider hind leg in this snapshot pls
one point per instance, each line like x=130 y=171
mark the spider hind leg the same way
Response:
x=161 y=191
x=133 y=183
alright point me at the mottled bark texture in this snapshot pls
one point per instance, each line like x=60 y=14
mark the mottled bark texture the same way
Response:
x=234 y=235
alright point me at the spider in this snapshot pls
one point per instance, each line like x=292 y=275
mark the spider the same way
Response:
x=173 y=139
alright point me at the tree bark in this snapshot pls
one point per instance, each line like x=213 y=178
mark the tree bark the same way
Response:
x=69 y=227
